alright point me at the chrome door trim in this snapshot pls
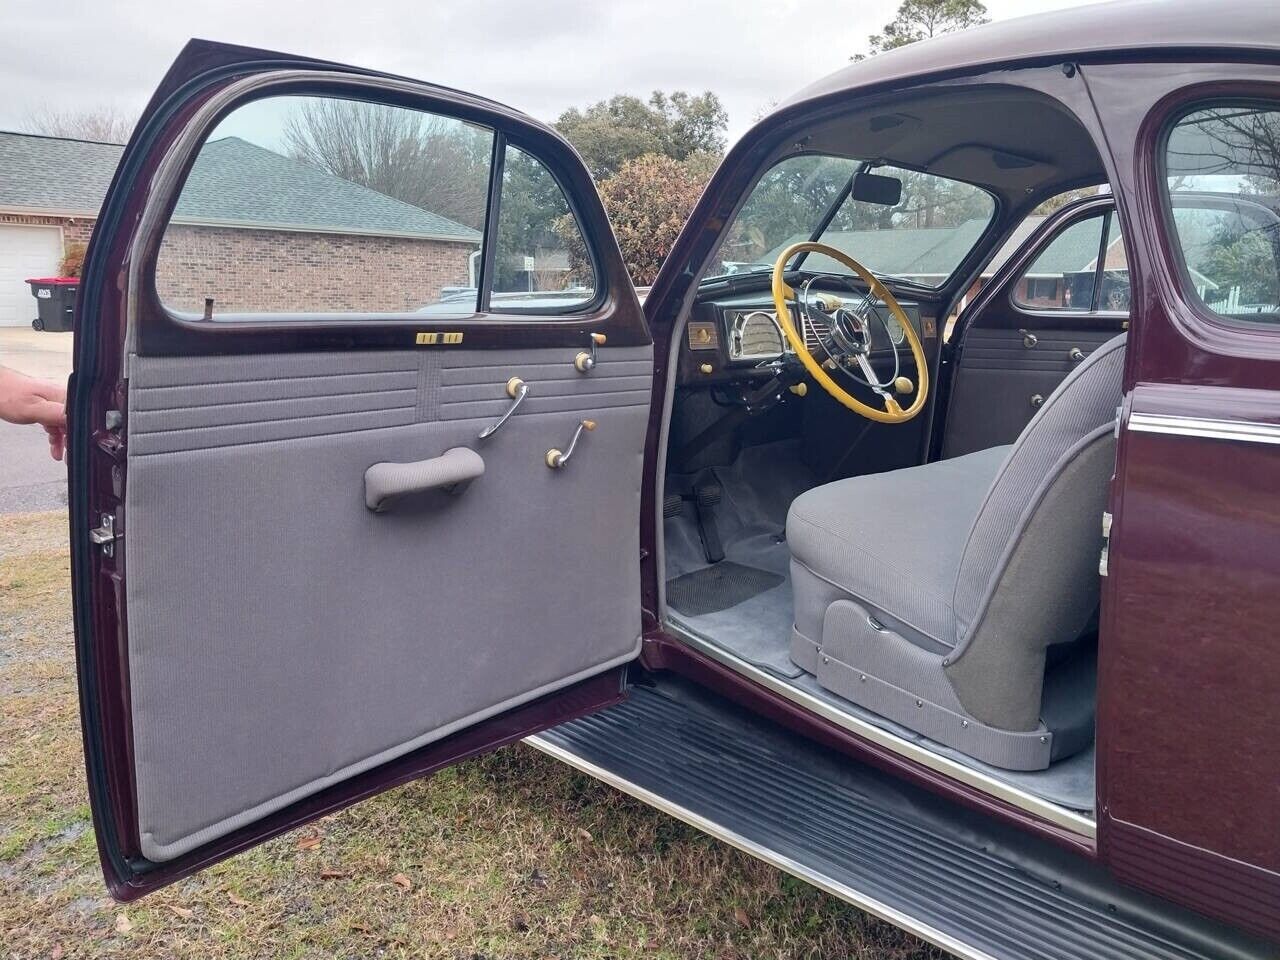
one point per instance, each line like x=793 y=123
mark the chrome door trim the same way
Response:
x=1249 y=431
x=772 y=857
x=1044 y=809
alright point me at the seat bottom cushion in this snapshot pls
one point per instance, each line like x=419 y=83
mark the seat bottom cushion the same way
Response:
x=891 y=540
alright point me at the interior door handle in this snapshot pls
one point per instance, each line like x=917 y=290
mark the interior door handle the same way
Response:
x=449 y=473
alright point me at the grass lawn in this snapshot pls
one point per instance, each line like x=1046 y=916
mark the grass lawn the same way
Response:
x=511 y=855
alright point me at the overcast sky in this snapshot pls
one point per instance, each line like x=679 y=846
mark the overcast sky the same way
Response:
x=540 y=56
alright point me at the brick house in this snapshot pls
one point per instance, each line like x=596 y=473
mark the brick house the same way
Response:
x=253 y=230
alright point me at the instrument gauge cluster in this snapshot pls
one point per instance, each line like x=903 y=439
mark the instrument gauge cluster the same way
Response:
x=754 y=334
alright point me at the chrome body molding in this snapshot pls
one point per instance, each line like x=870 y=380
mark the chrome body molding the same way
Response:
x=1249 y=431
x=772 y=857
x=993 y=786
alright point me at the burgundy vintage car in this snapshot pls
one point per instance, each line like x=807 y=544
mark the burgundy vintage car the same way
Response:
x=916 y=541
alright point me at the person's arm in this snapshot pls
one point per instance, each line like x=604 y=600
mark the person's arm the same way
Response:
x=25 y=399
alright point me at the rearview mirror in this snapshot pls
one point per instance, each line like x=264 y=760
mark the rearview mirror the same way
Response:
x=874 y=188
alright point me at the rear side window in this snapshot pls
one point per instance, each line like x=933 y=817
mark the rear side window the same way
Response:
x=1222 y=166
x=1082 y=269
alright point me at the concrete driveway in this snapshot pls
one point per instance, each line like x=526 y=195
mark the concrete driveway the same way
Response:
x=29 y=478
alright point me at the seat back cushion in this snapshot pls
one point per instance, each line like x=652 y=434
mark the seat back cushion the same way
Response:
x=1044 y=594
x=1085 y=401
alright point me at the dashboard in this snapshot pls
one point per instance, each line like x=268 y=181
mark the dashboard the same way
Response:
x=730 y=338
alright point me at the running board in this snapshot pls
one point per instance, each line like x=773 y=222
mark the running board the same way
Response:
x=962 y=881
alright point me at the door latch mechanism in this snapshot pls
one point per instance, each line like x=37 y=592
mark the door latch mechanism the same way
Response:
x=104 y=536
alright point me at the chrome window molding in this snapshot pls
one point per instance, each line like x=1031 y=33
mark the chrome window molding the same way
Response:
x=1249 y=431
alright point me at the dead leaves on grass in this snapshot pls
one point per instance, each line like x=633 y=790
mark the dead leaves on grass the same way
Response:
x=311 y=841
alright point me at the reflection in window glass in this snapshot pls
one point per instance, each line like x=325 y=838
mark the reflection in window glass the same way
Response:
x=1223 y=167
x=319 y=205
x=1114 y=296
x=541 y=263
x=1062 y=276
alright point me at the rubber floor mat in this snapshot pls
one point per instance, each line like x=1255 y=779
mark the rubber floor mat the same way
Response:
x=718 y=587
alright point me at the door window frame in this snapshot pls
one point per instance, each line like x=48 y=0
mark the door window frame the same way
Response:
x=153 y=328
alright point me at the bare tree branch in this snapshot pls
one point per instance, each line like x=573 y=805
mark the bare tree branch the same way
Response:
x=105 y=124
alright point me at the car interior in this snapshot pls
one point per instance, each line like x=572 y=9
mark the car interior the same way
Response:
x=934 y=576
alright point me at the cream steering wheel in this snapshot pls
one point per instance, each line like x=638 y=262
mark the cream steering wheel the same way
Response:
x=858 y=350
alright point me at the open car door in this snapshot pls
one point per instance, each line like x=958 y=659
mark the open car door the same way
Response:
x=357 y=425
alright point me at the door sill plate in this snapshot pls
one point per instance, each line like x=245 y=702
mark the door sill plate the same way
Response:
x=1015 y=796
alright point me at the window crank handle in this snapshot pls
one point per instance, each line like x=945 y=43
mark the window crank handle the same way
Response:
x=556 y=459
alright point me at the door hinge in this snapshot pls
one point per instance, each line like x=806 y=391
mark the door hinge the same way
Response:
x=105 y=536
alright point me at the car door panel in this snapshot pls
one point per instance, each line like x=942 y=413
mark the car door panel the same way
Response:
x=323 y=638
x=1014 y=348
x=999 y=376
x=257 y=644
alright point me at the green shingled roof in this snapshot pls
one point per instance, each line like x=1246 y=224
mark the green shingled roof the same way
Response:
x=233 y=183
x=55 y=174
x=239 y=183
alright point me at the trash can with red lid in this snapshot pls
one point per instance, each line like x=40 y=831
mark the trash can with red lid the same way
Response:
x=56 y=301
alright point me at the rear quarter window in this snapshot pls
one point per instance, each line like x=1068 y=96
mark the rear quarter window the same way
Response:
x=1222 y=174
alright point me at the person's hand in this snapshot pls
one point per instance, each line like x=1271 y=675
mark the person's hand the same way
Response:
x=25 y=399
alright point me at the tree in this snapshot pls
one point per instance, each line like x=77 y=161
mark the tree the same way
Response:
x=436 y=163
x=105 y=124
x=922 y=19
x=612 y=132
x=1060 y=200
x=648 y=201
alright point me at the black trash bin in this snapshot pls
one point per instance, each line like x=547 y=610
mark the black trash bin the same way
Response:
x=56 y=300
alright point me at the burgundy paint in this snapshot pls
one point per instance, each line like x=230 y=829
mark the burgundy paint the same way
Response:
x=1189 y=760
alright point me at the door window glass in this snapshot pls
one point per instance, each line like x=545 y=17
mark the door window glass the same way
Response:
x=1113 y=290
x=1063 y=274
x=541 y=262
x=314 y=205
x=1223 y=177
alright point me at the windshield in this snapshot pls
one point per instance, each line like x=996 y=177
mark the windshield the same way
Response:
x=921 y=239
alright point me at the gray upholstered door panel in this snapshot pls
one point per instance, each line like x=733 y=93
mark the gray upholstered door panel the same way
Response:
x=999 y=375
x=283 y=637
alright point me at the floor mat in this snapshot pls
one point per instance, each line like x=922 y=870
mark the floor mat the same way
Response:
x=718 y=587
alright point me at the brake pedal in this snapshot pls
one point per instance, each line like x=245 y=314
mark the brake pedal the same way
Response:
x=672 y=506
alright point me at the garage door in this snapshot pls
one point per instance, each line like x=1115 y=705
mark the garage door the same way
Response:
x=25 y=252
